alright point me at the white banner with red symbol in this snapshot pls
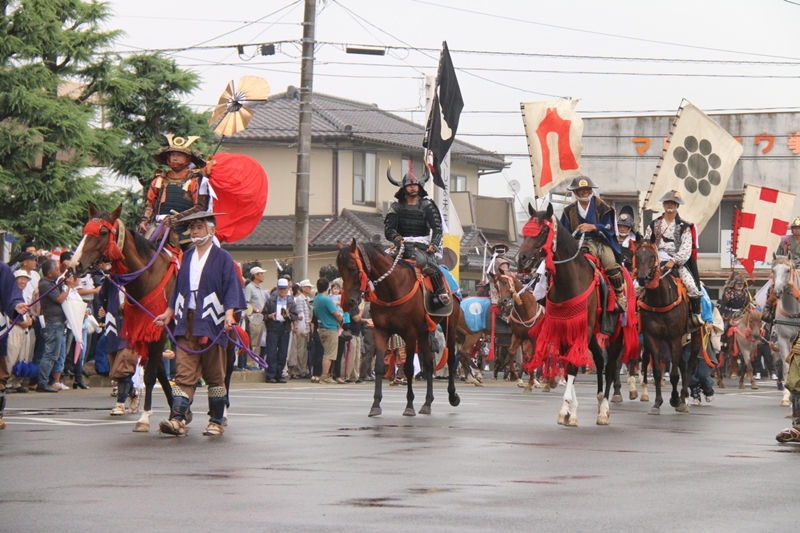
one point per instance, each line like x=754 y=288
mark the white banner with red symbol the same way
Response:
x=554 y=132
x=760 y=224
x=697 y=162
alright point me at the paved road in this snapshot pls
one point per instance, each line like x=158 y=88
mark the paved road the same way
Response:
x=307 y=458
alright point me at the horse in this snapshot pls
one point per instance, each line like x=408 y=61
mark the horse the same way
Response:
x=130 y=252
x=664 y=316
x=786 y=289
x=744 y=336
x=519 y=307
x=572 y=312
x=394 y=291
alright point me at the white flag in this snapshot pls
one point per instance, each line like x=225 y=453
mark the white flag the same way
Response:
x=554 y=132
x=763 y=220
x=698 y=164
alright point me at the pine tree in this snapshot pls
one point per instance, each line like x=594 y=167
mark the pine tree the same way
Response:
x=53 y=68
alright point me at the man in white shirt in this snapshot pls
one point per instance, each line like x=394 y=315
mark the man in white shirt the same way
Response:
x=255 y=304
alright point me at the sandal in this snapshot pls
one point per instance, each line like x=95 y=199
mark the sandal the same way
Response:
x=788 y=435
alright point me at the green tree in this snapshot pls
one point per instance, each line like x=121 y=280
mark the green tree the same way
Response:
x=143 y=102
x=53 y=68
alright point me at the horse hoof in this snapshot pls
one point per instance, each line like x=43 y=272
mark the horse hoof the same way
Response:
x=674 y=402
x=409 y=412
x=682 y=408
x=520 y=383
x=141 y=427
x=753 y=386
x=633 y=395
x=454 y=401
x=602 y=420
x=562 y=419
x=741 y=386
x=425 y=410
x=375 y=411
x=722 y=385
x=617 y=398
x=572 y=422
x=645 y=398
x=546 y=388
x=527 y=389
x=654 y=411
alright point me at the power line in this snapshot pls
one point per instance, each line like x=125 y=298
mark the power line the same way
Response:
x=184 y=19
x=592 y=32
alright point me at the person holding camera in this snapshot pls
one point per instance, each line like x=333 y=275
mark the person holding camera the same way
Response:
x=279 y=312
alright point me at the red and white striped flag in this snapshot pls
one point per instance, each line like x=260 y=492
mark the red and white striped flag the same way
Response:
x=760 y=224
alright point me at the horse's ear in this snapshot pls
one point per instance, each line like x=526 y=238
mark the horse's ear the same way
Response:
x=92 y=210
x=353 y=245
x=531 y=210
x=549 y=212
x=339 y=245
x=116 y=213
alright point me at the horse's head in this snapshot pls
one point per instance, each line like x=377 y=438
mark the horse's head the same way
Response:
x=351 y=265
x=535 y=232
x=99 y=240
x=754 y=323
x=646 y=268
x=506 y=292
x=782 y=271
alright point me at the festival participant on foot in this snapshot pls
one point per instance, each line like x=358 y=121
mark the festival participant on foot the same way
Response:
x=790 y=244
x=593 y=217
x=674 y=239
x=122 y=361
x=11 y=305
x=206 y=295
x=415 y=220
x=178 y=192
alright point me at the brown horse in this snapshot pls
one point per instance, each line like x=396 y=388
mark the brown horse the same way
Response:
x=568 y=328
x=130 y=252
x=664 y=317
x=396 y=305
x=522 y=311
x=744 y=336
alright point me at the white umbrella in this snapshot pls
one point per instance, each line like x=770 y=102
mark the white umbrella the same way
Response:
x=75 y=310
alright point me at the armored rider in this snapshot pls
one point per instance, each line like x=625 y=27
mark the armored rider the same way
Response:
x=734 y=298
x=207 y=293
x=627 y=239
x=593 y=217
x=674 y=239
x=178 y=192
x=415 y=220
x=790 y=244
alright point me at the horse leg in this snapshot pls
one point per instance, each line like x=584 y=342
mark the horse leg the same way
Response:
x=380 y=370
x=617 y=398
x=452 y=362
x=653 y=347
x=645 y=397
x=568 y=416
x=143 y=424
x=678 y=399
x=426 y=356
x=408 y=369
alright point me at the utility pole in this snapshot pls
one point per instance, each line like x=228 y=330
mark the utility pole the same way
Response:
x=301 y=203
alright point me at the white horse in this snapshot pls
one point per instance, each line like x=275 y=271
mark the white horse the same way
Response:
x=786 y=288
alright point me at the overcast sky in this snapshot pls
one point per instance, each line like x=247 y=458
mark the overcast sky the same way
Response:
x=743 y=34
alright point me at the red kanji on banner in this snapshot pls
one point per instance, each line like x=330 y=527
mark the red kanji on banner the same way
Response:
x=779 y=227
x=769 y=195
x=553 y=123
x=747 y=220
x=757 y=252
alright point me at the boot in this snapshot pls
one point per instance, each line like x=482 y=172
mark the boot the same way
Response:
x=618 y=283
x=2 y=409
x=696 y=320
x=437 y=279
x=792 y=434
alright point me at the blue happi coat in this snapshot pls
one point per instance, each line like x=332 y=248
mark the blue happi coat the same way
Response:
x=109 y=297
x=218 y=291
x=602 y=216
x=10 y=297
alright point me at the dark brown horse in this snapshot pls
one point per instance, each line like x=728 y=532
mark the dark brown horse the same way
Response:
x=396 y=306
x=664 y=316
x=743 y=337
x=568 y=328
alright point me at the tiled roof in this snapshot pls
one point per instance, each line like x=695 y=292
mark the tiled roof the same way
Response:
x=336 y=118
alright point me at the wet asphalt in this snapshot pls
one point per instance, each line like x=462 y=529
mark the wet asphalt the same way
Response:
x=305 y=457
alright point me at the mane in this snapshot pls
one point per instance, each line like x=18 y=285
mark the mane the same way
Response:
x=565 y=242
x=372 y=250
x=144 y=247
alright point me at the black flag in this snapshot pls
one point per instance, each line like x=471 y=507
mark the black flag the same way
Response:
x=443 y=119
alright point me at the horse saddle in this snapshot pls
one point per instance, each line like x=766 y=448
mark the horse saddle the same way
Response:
x=609 y=315
x=432 y=305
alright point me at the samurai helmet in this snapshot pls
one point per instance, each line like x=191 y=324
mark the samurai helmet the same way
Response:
x=581 y=181
x=408 y=179
x=182 y=145
x=626 y=217
x=672 y=196
x=796 y=222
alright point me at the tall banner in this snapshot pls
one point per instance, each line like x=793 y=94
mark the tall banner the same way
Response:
x=760 y=224
x=554 y=132
x=697 y=161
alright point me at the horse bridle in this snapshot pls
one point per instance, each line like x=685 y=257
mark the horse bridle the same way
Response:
x=654 y=276
x=113 y=250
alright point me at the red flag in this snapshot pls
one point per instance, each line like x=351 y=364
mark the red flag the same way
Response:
x=241 y=189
